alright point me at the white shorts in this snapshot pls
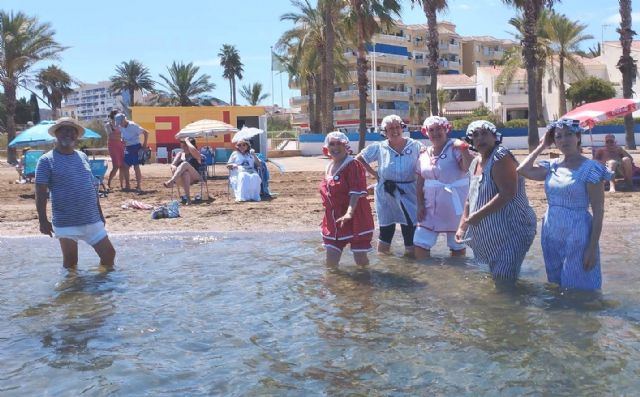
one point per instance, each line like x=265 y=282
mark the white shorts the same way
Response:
x=92 y=233
x=425 y=239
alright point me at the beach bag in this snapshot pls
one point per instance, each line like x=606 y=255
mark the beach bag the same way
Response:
x=144 y=156
x=169 y=210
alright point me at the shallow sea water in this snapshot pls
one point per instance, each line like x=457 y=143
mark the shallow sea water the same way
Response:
x=239 y=315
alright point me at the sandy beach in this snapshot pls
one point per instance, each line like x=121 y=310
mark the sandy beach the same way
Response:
x=297 y=206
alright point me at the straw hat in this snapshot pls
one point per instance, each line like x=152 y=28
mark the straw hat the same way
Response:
x=66 y=122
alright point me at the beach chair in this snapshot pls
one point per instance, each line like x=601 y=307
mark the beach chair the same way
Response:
x=162 y=155
x=220 y=156
x=204 y=186
x=174 y=153
x=29 y=163
x=99 y=170
x=208 y=153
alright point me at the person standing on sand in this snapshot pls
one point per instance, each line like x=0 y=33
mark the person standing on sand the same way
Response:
x=347 y=213
x=75 y=205
x=131 y=136
x=116 y=149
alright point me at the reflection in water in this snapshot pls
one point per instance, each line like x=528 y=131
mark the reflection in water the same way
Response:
x=198 y=316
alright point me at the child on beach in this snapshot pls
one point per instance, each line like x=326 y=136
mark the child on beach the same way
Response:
x=347 y=213
x=77 y=215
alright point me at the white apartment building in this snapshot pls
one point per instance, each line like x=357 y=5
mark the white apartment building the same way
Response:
x=92 y=102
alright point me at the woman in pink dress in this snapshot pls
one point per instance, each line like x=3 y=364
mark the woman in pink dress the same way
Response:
x=442 y=188
x=116 y=149
x=347 y=213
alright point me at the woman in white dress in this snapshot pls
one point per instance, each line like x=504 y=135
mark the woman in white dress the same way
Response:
x=243 y=168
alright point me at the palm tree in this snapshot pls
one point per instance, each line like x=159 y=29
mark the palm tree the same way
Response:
x=55 y=85
x=627 y=66
x=531 y=11
x=233 y=67
x=513 y=58
x=130 y=77
x=368 y=16
x=183 y=84
x=565 y=37
x=330 y=10
x=253 y=93
x=304 y=46
x=23 y=42
x=431 y=9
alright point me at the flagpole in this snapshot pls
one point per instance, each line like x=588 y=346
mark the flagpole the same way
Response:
x=272 y=93
x=281 y=94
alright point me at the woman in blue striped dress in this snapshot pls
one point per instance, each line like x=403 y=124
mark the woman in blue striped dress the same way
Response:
x=498 y=223
x=572 y=183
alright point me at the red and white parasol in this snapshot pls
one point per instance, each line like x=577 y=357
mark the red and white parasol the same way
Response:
x=595 y=112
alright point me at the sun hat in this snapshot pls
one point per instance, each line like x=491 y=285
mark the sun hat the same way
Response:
x=433 y=121
x=118 y=118
x=569 y=124
x=66 y=122
x=481 y=125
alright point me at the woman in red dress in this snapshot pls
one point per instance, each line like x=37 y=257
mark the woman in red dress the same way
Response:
x=347 y=213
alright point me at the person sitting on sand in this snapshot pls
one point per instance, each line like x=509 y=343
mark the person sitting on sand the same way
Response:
x=617 y=160
x=184 y=168
x=243 y=168
x=65 y=173
x=347 y=213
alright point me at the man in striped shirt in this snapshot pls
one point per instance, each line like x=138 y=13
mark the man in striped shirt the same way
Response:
x=75 y=206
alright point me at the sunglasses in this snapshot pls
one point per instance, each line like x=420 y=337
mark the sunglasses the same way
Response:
x=609 y=141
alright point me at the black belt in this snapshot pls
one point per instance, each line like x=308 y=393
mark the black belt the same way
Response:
x=391 y=186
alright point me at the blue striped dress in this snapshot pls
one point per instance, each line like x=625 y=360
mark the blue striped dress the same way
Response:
x=501 y=239
x=566 y=227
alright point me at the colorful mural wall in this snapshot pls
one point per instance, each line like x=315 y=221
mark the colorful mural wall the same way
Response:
x=164 y=122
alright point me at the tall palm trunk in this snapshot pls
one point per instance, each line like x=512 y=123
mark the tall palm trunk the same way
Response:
x=434 y=52
x=627 y=66
x=311 y=110
x=363 y=81
x=10 y=97
x=230 y=91
x=539 y=84
x=562 y=95
x=531 y=14
x=317 y=84
x=328 y=73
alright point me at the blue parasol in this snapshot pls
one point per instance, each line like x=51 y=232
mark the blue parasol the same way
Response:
x=39 y=135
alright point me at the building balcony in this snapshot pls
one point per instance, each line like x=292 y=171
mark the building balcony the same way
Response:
x=389 y=94
x=382 y=76
x=300 y=118
x=423 y=79
x=298 y=100
x=390 y=38
x=387 y=112
x=513 y=99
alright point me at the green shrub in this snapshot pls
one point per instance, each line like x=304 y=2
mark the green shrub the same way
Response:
x=517 y=123
x=618 y=121
x=461 y=124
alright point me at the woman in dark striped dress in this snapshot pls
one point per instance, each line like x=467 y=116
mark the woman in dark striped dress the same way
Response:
x=498 y=223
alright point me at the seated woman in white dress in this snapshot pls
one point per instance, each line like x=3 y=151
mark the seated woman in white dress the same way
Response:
x=243 y=175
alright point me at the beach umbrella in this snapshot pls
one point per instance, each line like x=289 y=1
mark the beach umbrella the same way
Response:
x=39 y=135
x=591 y=113
x=205 y=128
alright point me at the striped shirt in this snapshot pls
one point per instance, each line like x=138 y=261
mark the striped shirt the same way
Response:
x=74 y=201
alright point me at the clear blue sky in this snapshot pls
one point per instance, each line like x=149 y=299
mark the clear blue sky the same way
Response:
x=101 y=34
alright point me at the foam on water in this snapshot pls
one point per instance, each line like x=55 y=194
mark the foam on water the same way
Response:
x=256 y=314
